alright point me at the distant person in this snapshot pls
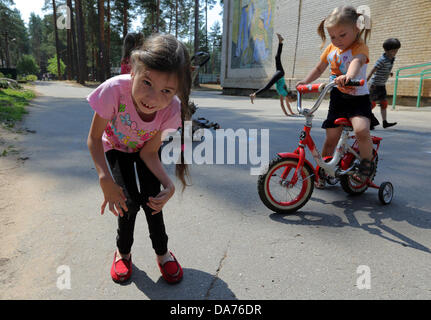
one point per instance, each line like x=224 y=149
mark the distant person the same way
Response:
x=379 y=76
x=131 y=42
x=280 y=83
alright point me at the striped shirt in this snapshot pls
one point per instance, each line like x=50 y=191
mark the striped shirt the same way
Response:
x=383 y=68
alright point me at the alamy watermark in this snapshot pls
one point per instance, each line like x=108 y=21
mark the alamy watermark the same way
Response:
x=64 y=280
x=223 y=144
x=63 y=17
x=364 y=280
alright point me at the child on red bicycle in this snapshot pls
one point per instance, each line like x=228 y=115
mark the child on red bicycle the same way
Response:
x=348 y=57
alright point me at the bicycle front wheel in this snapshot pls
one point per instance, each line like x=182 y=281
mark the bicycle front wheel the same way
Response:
x=278 y=194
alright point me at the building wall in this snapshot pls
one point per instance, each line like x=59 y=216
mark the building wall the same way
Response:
x=297 y=22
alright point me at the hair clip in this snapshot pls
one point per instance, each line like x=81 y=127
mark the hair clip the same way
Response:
x=364 y=19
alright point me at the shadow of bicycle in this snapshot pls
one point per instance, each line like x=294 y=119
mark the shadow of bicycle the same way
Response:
x=352 y=205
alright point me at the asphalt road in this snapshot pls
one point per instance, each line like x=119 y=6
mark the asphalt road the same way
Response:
x=229 y=244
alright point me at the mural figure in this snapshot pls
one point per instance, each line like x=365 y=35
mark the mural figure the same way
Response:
x=252 y=33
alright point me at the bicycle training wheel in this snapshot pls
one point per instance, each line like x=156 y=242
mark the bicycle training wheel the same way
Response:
x=277 y=194
x=386 y=192
x=354 y=185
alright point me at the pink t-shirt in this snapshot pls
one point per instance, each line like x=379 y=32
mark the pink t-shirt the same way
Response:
x=126 y=131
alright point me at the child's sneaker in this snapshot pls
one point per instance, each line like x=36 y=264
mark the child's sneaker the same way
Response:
x=320 y=184
x=171 y=270
x=121 y=269
x=388 y=124
x=366 y=169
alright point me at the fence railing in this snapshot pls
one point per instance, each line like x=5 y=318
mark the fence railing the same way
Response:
x=209 y=78
x=421 y=74
x=425 y=74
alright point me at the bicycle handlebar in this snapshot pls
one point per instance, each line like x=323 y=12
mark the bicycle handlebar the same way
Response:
x=323 y=89
x=309 y=88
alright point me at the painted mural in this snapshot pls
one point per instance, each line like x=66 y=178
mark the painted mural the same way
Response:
x=252 y=33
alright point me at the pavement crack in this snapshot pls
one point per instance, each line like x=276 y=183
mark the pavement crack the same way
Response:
x=220 y=266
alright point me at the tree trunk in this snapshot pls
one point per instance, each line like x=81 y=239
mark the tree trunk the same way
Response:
x=93 y=59
x=69 y=48
x=69 y=55
x=125 y=18
x=170 y=18
x=157 y=15
x=56 y=40
x=176 y=18
x=206 y=33
x=74 y=46
x=108 y=42
x=196 y=40
x=101 y=54
x=7 y=49
x=81 y=43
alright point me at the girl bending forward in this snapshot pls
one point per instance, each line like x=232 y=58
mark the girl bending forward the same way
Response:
x=131 y=113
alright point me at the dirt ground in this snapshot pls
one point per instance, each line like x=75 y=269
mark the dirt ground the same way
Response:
x=12 y=220
x=9 y=190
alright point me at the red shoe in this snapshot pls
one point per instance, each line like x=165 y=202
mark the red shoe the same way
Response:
x=171 y=270
x=121 y=270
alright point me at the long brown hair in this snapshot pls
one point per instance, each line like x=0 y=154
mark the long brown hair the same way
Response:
x=346 y=15
x=166 y=54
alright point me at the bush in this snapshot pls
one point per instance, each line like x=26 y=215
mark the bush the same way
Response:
x=27 y=65
x=4 y=84
x=22 y=79
x=31 y=78
x=52 y=66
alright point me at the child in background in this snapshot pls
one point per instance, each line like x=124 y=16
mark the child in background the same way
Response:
x=280 y=84
x=131 y=113
x=348 y=57
x=131 y=42
x=380 y=74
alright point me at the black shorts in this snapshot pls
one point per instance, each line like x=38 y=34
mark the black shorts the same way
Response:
x=377 y=93
x=343 y=105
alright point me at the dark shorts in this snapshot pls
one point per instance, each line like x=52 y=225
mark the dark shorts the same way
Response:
x=343 y=105
x=377 y=93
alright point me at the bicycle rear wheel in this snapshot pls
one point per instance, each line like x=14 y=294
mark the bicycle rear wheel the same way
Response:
x=277 y=194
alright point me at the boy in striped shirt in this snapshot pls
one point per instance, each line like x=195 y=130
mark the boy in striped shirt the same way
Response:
x=380 y=74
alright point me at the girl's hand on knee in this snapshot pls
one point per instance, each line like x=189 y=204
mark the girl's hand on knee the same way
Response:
x=114 y=196
x=156 y=203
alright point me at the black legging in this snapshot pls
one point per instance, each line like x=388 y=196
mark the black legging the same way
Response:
x=123 y=171
x=278 y=74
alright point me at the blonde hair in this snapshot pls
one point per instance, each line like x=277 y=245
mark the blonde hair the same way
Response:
x=166 y=54
x=346 y=15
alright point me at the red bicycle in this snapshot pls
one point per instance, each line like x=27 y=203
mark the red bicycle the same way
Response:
x=288 y=183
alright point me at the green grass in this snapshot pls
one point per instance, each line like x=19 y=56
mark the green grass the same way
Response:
x=12 y=105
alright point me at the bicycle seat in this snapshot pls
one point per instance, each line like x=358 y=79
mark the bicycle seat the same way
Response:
x=343 y=122
x=376 y=139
